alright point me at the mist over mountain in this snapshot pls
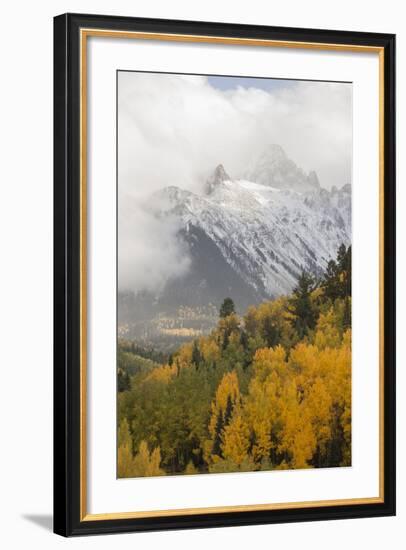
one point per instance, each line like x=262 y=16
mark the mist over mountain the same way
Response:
x=273 y=168
x=247 y=238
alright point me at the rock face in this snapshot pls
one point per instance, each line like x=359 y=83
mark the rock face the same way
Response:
x=250 y=238
x=274 y=169
x=219 y=176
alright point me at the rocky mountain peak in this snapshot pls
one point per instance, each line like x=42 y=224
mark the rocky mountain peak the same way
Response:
x=250 y=238
x=274 y=168
x=218 y=176
x=313 y=179
x=274 y=153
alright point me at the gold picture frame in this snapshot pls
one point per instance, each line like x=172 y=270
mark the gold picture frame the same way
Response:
x=71 y=39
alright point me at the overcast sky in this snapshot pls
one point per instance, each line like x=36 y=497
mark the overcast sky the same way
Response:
x=175 y=129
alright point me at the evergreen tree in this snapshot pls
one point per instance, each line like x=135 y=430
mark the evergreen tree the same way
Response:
x=331 y=283
x=196 y=355
x=337 y=278
x=227 y=308
x=244 y=340
x=226 y=340
x=247 y=356
x=217 y=436
x=270 y=332
x=301 y=307
x=344 y=261
x=347 y=314
x=342 y=258
x=123 y=381
x=229 y=410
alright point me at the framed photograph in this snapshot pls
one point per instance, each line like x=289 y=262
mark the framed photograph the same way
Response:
x=224 y=274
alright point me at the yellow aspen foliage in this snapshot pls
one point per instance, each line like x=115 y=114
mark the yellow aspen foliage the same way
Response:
x=184 y=355
x=318 y=403
x=124 y=461
x=191 y=469
x=227 y=398
x=268 y=360
x=162 y=374
x=303 y=446
x=270 y=323
x=340 y=384
x=236 y=440
x=262 y=410
x=327 y=332
x=124 y=454
x=298 y=441
x=124 y=436
x=230 y=323
x=274 y=308
x=305 y=359
x=146 y=464
x=234 y=339
x=282 y=466
x=346 y=424
x=228 y=389
x=251 y=320
x=316 y=294
x=143 y=463
x=209 y=349
x=269 y=391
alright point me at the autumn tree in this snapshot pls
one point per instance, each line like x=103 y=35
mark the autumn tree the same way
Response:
x=301 y=306
x=227 y=308
x=262 y=407
x=271 y=390
x=146 y=463
x=191 y=469
x=227 y=396
x=236 y=439
x=124 y=453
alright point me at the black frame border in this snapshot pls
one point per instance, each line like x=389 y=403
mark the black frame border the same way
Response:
x=67 y=520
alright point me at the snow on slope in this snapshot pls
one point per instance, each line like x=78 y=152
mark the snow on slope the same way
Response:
x=266 y=233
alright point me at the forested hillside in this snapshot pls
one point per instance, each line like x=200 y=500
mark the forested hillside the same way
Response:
x=269 y=390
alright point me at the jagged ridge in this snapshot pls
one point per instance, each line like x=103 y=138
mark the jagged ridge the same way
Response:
x=267 y=234
x=246 y=239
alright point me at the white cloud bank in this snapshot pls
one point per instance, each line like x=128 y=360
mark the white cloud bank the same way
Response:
x=174 y=130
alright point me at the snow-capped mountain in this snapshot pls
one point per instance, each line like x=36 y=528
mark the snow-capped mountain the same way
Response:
x=266 y=231
x=250 y=238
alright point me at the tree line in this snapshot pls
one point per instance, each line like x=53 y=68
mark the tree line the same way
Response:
x=268 y=390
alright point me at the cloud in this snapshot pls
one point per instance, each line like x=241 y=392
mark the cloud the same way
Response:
x=174 y=130
x=148 y=251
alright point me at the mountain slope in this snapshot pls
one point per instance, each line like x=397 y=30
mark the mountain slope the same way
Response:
x=250 y=239
x=266 y=235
